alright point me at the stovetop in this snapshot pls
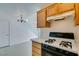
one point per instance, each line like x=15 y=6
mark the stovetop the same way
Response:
x=62 y=43
x=65 y=44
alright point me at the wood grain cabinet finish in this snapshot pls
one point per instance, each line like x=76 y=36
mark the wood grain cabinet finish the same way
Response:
x=63 y=7
x=36 y=49
x=52 y=10
x=42 y=19
x=76 y=13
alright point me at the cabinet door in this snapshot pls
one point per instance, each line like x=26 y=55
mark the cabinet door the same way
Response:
x=65 y=7
x=77 y=14
x=37 y=45
x=36 y=49
x=41 y=19
x=52 y=10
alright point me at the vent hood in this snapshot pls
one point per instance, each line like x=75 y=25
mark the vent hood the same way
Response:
x=61 y=16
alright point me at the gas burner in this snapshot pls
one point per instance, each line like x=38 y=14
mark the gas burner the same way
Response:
x=66 y=44
x=50 y=40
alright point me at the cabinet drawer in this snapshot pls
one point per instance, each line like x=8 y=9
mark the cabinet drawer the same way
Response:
x=36 y=50
x=37 y=45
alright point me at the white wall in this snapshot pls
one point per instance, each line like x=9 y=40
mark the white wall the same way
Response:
x=20 y=33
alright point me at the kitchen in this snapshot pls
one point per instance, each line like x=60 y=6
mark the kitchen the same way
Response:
x=40 y=21
x=64 y=20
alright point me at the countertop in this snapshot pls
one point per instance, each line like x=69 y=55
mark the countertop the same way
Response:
x=74 y=50
x=39 y=40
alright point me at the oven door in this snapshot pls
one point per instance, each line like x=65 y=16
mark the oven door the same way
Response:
x=48 y=52
x=53 y=51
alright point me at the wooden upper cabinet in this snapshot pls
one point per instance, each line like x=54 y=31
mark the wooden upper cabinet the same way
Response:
x=58 y=8
x=52 y=10
x=42 y=19
x=63 y=7
x=76 y=13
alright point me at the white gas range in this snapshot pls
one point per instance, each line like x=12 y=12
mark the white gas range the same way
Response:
x=63 y=41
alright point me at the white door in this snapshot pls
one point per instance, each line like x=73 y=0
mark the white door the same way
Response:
x=4 y=33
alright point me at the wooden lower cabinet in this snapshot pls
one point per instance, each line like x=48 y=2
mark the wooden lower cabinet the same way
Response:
x=35 y=54
x=36 y=49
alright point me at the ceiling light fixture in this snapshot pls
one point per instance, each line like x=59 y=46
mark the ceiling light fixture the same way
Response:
x=21 y=19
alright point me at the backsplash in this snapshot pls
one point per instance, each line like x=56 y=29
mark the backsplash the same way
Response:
x=66 y=25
